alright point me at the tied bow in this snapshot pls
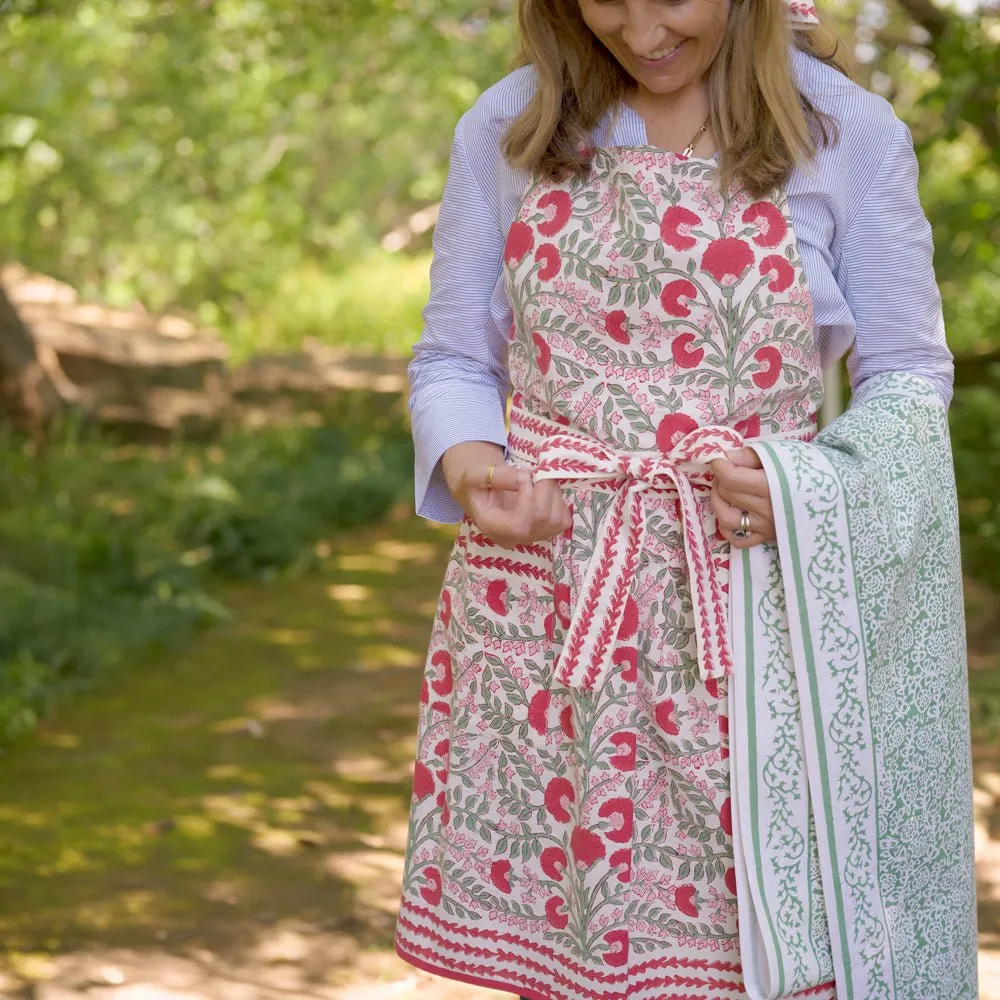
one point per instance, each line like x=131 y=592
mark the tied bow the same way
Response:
x=597 y=618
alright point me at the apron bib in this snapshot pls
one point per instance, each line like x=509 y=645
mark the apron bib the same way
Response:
x=571 y=825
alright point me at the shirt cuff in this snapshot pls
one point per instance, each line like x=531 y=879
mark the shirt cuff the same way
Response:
x=453 y=420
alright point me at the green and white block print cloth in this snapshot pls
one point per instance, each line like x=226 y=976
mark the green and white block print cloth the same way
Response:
x=852 y=777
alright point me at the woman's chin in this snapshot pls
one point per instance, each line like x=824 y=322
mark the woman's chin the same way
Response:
x=659 y=82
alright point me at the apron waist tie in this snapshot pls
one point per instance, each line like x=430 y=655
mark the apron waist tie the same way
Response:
x=596 y=620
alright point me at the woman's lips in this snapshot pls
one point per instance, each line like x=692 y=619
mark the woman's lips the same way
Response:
x=662 y=62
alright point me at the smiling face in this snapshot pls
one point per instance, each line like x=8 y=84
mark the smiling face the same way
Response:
x=664 y=45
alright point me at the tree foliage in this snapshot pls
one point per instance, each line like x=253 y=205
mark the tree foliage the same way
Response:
x=192 y=153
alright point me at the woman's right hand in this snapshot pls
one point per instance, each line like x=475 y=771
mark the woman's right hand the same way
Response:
x=516 y=511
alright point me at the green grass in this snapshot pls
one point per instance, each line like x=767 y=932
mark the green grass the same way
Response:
x=107 y=550
x=236 y=781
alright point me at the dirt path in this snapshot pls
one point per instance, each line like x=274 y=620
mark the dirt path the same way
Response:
x=227 y=823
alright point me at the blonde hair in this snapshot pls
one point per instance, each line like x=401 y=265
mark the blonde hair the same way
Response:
x=762 y=124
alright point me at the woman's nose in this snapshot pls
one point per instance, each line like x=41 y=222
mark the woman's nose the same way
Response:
x=642 y=28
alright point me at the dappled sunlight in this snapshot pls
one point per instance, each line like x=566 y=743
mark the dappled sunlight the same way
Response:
x=382 y=654
x=406 y=551
x=289 y=637
x=370 y=768
x=233 y=773
x=272 y=708
x=229 y=820
x=377 y=876
x=260 y=775
x=349 y=592
x=67 y=741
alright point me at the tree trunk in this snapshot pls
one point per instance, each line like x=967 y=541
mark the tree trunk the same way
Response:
x=33 y=388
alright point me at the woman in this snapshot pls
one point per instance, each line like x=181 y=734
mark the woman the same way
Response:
x=692 y=662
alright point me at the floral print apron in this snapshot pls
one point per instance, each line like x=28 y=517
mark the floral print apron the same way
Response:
x=571 y=828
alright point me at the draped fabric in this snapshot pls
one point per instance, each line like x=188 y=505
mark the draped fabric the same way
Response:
x=851 y=770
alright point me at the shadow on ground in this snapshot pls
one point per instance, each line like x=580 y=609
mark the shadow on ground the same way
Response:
x=227 y=822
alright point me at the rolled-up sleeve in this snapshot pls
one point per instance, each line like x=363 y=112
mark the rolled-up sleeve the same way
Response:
x=886 y=275
x=458 y=376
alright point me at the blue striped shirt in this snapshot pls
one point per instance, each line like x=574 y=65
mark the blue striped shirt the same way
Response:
x=864 y=241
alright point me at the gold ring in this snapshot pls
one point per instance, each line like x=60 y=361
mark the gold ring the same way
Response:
x=489 y=476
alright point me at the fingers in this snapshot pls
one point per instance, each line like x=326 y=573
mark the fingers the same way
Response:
x=504 y=477
x=729 y=508
x=753 y=502
x=558 y=514
x=535 y=512
x=730 y=520
x=732 y=479
x=745 y=458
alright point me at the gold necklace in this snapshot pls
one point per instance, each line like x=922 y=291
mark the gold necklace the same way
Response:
x=688 y=150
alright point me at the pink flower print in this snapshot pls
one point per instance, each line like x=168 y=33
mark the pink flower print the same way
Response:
x=432 y=891
x=423 y=781
x=727 y=261
x=543 y=353
x=673 y=427
x=726 y=817
x=548 y=256
x=666 y=719
x=566 y=721
x=697 y=716
x=617 y=953
x=445 y=611
x=624 y=760
x=496 y=597
x=558 y=794
x=684 y=357
x=630 y=620
x=623 y=857
x=770 y=358
x=443 y=683
x=442 y=804
x=770 y=223
x=730 y=880
x=554 y=912
x=684 y=900
x=500 y=875
x=520 y=242
x=675 y=227
x=553 y=861
x=586 y=846
x=749 y=428
x=783 y=274
x=561 y=206
x=627 y=657
x=620 y=808
x=538 y=709
x=616 y=325
x=675 y=295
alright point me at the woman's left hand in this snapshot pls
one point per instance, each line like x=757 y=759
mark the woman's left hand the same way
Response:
x=740 y=485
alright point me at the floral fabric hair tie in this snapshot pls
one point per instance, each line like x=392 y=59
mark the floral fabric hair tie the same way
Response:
x=801 y=13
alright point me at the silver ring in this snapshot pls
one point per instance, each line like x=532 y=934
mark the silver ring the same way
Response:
x=743 y=531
